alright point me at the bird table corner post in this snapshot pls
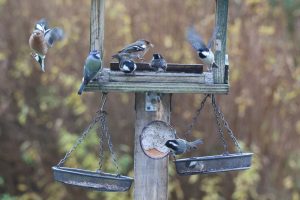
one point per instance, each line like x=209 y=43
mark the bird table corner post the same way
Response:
x=220 y=53
x=97 y=26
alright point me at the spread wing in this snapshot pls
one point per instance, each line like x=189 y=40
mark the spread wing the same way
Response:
x=213 y=37
x=134 y=47
x=194 y=38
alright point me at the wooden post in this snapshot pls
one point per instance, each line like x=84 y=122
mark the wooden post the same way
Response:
x=97 y=26
x=221 y=22
x=150 y=176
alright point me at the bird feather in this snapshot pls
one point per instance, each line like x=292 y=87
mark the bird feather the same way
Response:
x=195 y=39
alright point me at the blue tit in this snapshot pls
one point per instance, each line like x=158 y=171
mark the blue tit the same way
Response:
x=126 y=65
x=180 y=146
x=41 y=39
x=204 y=51
x=136 y=50
x=158 y=63
x=91 y=67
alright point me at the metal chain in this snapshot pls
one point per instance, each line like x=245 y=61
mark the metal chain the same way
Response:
x=198 y=111
x=101 y=133
x=226 y=126
x=79 y=140
x=105 y=131
x=220 y=131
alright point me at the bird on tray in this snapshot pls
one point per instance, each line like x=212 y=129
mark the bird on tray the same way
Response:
x=204 y=51
x=180 y=146
x=126 y=65
x=158 y=63
x=42 y=38
x=91 y=67
x=136 y=50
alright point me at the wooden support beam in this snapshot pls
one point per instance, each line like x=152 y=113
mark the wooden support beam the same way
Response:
x=114 y=81
x=150 y=176
x=97 y=26
x=172 y=67
x=221 y=22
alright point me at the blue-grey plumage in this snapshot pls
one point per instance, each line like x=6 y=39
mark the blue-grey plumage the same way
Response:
x=42 y=38
x=126 y=65
x=158 y=63
x=91 y=67
x=136 y=50
x=180 y=146
x=203 y=50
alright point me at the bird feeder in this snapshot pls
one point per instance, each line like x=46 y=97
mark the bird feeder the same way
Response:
x=150 y=160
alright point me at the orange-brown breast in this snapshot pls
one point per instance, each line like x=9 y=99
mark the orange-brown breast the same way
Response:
x=37 y=43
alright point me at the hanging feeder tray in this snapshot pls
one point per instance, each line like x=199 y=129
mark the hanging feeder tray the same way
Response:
x=213 y=164
x=99 y=181
x=96 y=180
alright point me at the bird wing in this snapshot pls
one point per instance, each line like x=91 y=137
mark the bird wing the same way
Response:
x=53 y=35
x=134 y=47
x=41 y=25
x=194 y=38
x=213 y=37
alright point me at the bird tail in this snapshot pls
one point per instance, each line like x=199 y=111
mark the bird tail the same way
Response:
x=195 y=143
x=42 y=63
x=214 y=65
x=82 y=86
x=54 y=35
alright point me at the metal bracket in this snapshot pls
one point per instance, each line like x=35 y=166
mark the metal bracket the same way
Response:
x=152 y=99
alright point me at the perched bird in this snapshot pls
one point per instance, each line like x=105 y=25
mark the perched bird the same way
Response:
x=180 y=146
x=136 y=50
x=158 y=63
x=41 y=39
x=204 y=51
x=126 y=65
x=91 y=67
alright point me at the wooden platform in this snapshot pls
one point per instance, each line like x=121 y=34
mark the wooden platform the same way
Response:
x=172 y=81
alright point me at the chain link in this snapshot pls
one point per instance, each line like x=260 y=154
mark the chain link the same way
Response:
x=226 y=126
x=220 y=131
x=105 y=132
x=100 y=117
x=79 y=141
x=101 y=133
x=198 y=111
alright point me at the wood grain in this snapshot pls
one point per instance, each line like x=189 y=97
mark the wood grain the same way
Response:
x=150 y=175
x=221 y=22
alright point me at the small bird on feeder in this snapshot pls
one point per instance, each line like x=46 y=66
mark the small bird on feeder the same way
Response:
x=136 y=50
x=91 y=67
x=180 y=146
x=126 y=65
x=41 y=39
x=204 y=51
x=158 y=63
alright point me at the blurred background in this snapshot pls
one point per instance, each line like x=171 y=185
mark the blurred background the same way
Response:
x=41 y=114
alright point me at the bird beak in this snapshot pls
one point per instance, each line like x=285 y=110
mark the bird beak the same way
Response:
x=151 y=45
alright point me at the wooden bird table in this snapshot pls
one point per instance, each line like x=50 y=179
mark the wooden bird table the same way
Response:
x=151 y=175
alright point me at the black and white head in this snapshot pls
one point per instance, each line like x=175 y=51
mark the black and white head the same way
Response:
x=172 y=144
x=157 y=56
x=127 y=66
x=203 y=52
